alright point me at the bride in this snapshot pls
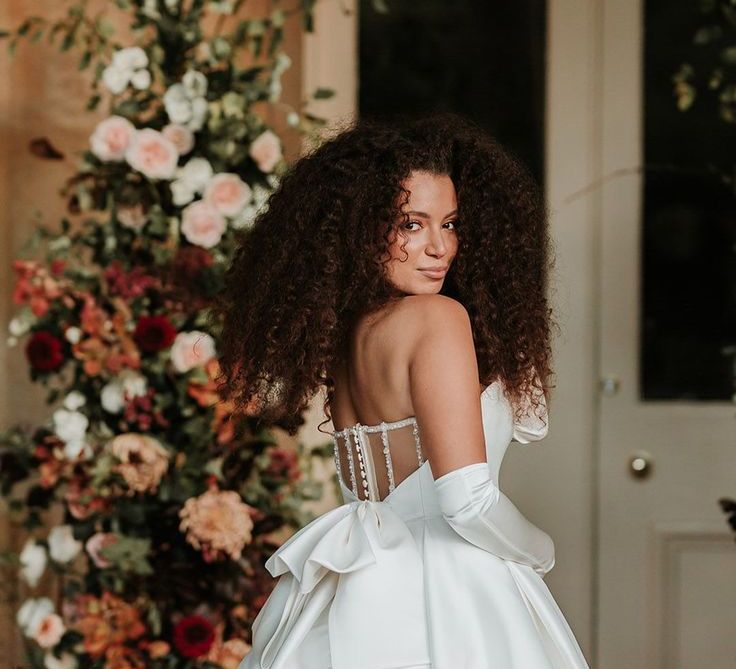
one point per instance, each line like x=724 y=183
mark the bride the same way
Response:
x=402 y=267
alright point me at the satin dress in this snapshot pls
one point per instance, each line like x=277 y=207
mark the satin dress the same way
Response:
x=384 y=582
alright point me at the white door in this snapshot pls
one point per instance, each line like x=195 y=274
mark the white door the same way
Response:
x=666 y=558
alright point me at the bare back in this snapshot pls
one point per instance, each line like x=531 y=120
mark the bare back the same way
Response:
x=373 y=389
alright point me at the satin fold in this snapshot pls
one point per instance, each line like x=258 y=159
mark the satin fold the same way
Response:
x=361 y=559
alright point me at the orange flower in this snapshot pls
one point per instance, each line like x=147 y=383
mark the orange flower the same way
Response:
x=156 y=649
x=123 y=657
x=107 y=622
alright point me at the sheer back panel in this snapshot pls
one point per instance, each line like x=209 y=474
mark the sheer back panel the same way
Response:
x=372 y=460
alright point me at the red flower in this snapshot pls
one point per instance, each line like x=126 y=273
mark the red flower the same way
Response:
x=43 y=351
x=154 y=333
x=194 y=636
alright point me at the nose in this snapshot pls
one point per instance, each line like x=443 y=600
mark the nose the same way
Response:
x=437 y=245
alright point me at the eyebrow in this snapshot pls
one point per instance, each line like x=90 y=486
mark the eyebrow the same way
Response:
x=422 y=214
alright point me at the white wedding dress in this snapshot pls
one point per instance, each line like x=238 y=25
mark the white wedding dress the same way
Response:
x=413 y=573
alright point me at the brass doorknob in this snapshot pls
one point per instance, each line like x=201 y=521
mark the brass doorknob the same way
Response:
x=641 y=465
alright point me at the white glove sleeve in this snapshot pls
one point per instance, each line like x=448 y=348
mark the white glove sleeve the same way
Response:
x=479 y=512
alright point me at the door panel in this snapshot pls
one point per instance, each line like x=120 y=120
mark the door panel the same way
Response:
x=666 y=558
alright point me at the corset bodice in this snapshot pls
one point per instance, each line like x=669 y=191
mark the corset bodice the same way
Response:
x=375 y=468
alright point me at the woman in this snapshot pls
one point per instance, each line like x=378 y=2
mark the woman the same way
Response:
x=402 y=267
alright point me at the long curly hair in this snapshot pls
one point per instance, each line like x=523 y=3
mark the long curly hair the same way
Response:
x=314 y=261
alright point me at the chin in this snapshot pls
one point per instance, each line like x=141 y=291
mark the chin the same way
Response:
x=422 y=290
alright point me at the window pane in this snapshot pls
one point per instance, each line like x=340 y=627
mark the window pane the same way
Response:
x=478 y=58
x=689 y=235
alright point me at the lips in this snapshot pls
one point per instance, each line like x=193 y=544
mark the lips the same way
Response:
x=434 y=273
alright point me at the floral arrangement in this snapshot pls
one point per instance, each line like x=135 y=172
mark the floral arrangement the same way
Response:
x=169 y=503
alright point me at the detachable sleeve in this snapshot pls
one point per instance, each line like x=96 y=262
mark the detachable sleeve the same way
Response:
x=478 y=511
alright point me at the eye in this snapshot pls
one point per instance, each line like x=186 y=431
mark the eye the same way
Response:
x=411 y=223
x=454 y=223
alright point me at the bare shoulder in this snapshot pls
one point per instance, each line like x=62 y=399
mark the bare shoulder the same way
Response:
x=427 y=315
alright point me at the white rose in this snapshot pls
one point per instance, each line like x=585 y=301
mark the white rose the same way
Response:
x=74 y=400
x=152 y=154
x=130 y=58
x=266 y=151
x=32 y=612
x=63 y=547
x=111 y=138
x=228 y=192
x=260 y=195
x=191 y=349
x=33 y=562
x=199 y=114
x=202 y=224
x=116 y=79
x=112 y=396
x=22 y=323
x=181 y=193
x=66 y=661
x=195 y=83
x=141 y=79
x=73 y=334
x=180 y=136
x=71 y=428
x=179 y=111
x=195 y=174
x=150 y=9
x=245 y=218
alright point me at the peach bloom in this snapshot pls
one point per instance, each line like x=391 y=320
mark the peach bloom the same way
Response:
x=111 y=138
x=152 y=154
x=228 y=192
x=95 y=544
x=229 y=654
x=156 y=649
x=191 y=349
x=180 y=136
x=266 y=151
x=143 y=461
x=202 y=224
x=217 y=523
x=49 y=631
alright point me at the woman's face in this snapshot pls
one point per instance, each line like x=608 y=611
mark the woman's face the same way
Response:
x=429 y=237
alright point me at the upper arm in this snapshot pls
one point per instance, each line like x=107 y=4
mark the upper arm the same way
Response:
x=443 y=379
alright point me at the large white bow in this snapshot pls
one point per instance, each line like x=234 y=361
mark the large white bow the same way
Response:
x=362 y=558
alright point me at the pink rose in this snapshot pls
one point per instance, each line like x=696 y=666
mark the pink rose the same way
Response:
x=202 y=224
x=266 y=151
x=111 y=138
x=228 y=192
x=94 y=547
x=191 y=349
x=180 y=136
x=152 y=154
x=49 y=631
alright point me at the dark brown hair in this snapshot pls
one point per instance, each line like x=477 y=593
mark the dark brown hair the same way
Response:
x=313 y=262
